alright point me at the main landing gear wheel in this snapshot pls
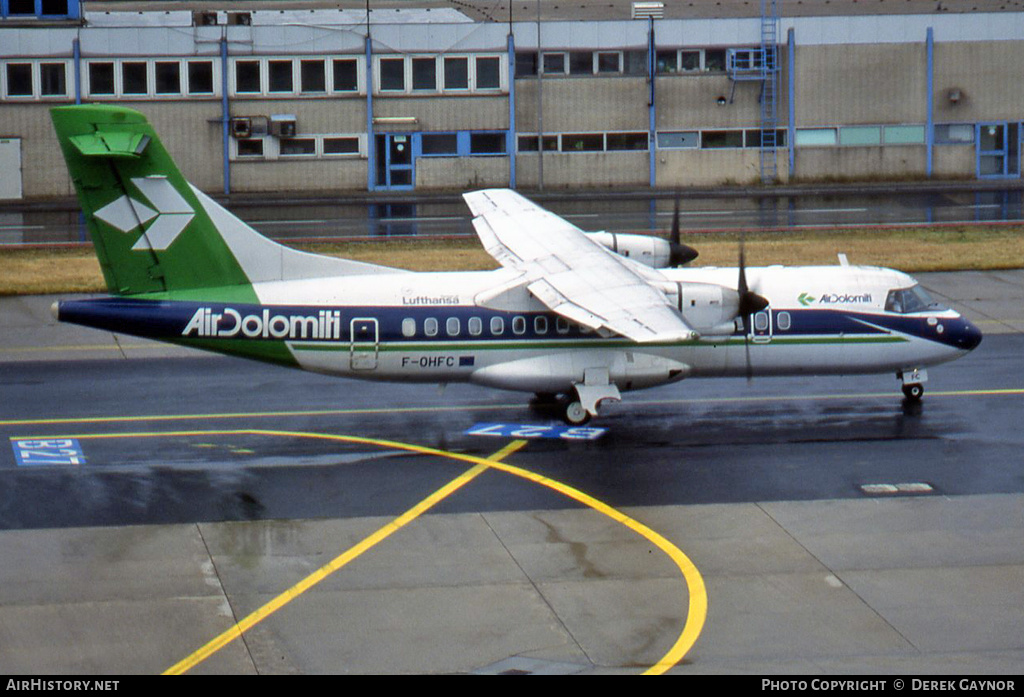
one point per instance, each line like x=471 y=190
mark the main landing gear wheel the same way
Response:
x=576 y=414
x=913 y=392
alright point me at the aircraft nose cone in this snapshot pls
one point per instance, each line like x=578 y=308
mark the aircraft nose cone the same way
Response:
x=970 y=337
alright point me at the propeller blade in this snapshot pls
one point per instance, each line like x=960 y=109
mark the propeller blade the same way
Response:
x=679 y=253
x=750 y=302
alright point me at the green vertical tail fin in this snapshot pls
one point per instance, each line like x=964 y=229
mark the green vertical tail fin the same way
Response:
x=150 y=231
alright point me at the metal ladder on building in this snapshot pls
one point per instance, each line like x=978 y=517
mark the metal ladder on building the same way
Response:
x=769 y=90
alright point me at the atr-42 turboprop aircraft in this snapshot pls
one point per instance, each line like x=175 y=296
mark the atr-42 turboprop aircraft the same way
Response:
x=570 y=314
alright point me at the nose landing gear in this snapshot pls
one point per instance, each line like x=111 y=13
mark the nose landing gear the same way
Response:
x=913 y=383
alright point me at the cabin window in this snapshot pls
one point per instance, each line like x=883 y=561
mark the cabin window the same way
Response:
x=497 y=326
x=562 y=325
x=760 y=322
x=519 y=324
x=783 y=321
x=453 y=326
x=540 y=325
x=430 y=326
x=476 y=326
x=408 y=327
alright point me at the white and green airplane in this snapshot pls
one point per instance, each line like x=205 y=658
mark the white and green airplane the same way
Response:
x=571 y=316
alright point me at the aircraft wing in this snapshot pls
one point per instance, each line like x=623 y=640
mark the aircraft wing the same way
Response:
x=570 y=273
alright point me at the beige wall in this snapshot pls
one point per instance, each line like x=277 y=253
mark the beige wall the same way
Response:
x=312 y=116
x=301 y=176
x=443 y=113
x=42 y=166
x=861 y=84
x=594 y=169
x=461 y=173
x=838 y=164
x=580 y=105
x=989 y=77
x=691 y=101
x=713 y=167
x=954 y=161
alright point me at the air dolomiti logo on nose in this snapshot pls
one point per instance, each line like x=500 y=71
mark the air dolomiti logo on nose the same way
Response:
x=172 y=214
x=806 y=299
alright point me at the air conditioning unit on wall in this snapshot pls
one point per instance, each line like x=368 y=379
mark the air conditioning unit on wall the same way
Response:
x=282 y=125
x=241 y=127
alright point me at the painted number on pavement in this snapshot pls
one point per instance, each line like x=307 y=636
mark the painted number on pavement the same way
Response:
x=61 y=451
x=535 y=431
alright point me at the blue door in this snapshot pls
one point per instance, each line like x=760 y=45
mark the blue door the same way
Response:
x=998 y=150
x=394 y=161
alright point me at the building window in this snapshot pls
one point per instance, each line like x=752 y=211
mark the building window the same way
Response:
x=53 y=80
x=392 y=74
x=554 y=64
x=714 y=60
x=280 y=76
x=424 y=74
x=247 y=77
x=860 y=135
x=456 y=73
x=167 y=77
x=312 y=77
x=954 y=134
x=341 y=146
x=609 y=62
x=582 y=142
x=486 y=143
x=297 y=147
x=904 y=135
x=679 y=139
x=433 y=144
x=721 y=139
x=346 y=75
x=815 y=136
x=101 y=78
x=627 y=141
x=19 y=80
x=250 y=147
x=530 y=144
x=133 y=78
x=581 y=62
x=200 y=77
x=488 y=73
x=526 y=64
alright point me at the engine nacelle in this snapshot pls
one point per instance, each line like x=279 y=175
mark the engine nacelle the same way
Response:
x=648 y=250
x=708 y=308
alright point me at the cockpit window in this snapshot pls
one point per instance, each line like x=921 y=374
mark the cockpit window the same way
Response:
x=907 y=300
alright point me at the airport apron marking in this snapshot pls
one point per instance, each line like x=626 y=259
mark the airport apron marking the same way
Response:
x=697 y=604
x=49 y=451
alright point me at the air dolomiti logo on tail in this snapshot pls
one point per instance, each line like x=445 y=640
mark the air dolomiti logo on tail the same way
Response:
x=228 y=322
x=806 y=299
x=172 y=214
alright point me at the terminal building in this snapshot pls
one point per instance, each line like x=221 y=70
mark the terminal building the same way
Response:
x=391 y=95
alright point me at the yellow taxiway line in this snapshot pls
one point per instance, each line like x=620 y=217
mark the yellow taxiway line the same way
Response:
x=1001 y=392
x=697 y=604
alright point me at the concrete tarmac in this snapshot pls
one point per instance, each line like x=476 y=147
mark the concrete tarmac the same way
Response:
x=210 y=531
